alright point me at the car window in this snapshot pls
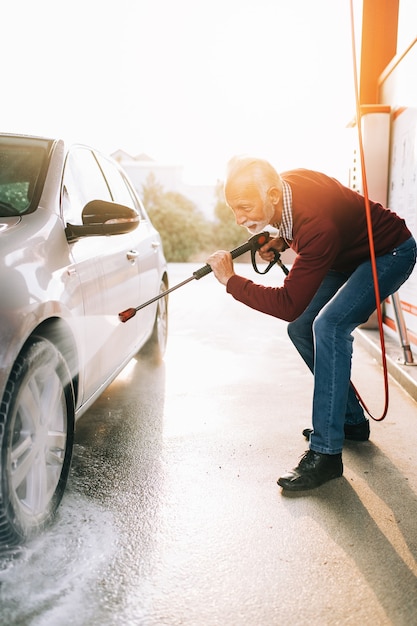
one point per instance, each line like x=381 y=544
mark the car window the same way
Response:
x=23 y=164
x=83 y=181
x=119 y=186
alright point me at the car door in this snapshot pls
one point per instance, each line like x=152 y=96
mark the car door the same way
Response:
x=146 y=247
x=108 y=273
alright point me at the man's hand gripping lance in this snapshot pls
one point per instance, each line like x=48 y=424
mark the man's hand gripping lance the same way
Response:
x=253 y=244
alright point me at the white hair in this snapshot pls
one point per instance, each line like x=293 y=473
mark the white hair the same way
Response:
x=252 y=169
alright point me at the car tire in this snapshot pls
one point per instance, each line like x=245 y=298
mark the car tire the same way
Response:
x=36 y=440
x=156 y=344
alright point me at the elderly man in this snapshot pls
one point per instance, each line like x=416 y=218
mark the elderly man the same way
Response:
x=327 y=294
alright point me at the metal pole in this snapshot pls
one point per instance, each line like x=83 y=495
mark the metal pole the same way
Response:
x=402 y=329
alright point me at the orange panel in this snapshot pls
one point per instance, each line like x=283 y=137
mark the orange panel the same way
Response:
x=379 y=44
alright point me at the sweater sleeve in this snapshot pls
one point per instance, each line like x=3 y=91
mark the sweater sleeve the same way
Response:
x=289 y=301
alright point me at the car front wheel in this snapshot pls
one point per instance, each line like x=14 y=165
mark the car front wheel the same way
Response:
x=36 y=439
x=156 y=344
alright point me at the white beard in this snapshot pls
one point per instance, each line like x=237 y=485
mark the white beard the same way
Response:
x=255 y=227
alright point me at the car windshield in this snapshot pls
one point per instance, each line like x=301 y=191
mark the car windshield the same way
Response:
x=23 y=162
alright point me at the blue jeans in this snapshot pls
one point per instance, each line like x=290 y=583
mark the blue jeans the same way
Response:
x=323 y=337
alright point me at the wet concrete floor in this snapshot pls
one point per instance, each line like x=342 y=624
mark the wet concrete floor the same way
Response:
x=173 y=515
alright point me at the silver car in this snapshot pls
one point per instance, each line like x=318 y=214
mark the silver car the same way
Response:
x=77 y=248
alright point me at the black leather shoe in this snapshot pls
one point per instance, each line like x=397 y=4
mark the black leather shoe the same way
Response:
x=353 y=432
x=313 y=470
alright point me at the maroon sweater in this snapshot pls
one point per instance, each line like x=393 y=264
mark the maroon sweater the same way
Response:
x=329 y=232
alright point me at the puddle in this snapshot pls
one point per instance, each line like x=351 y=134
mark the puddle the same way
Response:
x=47 y=581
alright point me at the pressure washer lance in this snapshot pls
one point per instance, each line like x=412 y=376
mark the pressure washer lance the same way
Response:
x=253 y=244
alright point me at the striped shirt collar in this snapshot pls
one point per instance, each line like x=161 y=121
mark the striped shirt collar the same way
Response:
x=285 y=228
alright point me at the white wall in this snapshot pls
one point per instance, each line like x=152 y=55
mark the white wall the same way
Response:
x=399 y=90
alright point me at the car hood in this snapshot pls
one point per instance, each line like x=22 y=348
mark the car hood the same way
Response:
x=8 y=222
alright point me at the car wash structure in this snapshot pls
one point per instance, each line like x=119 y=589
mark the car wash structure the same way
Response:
x=387 y=97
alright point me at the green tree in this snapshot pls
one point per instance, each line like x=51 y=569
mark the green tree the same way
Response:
x=152 y=191
x=184 y=231
x=227 y=234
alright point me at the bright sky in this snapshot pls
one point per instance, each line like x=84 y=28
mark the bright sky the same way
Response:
x=190 y=82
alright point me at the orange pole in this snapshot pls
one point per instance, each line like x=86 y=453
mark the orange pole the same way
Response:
x=379 y=44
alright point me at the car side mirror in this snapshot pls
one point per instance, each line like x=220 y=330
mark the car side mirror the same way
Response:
x=103 y=218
